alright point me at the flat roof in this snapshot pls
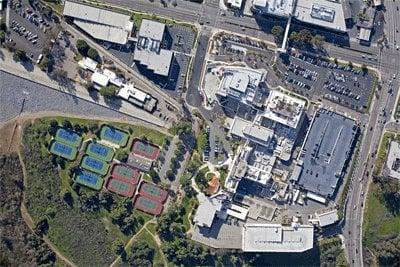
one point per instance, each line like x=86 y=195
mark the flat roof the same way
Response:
x=100 y=79
x=365 y=34
x=247 y=130
x=277 y=238
x=237 y=81
x=129 y=90
x=159 y=62
x=206 y=211
x=324 y=13
x=152 y=29
x=393 y=160
x=100 y=23
x=88 y=64
x=235 y=3
x=284 y=109
x=326 y=151
x=282 y=8
x=327 y=218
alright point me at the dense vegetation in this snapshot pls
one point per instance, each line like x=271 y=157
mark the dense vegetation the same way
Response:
x=82 y=223
x=18 y=245
x=382 y=221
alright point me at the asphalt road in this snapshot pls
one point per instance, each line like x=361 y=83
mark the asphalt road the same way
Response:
x=388 y=64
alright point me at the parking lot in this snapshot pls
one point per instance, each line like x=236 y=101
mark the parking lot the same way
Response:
x=29 y=27
x=315 y=78
x=179 y=38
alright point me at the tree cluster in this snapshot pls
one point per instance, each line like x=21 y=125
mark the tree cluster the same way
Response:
x=85 y=50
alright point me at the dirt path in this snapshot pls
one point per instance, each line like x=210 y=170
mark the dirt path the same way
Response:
x=158 y=242
x=17 y=137
x=115 y=262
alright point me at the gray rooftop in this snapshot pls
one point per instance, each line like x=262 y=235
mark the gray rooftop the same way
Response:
x=152 y=29
x=100 y=23
x=326 y=151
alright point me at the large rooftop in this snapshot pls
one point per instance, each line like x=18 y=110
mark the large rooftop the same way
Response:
x=248 y=130
x=100 y=23
x=326 y=151
x=284 y=109
x=148 y=49
x=324 y=13
x=282 y=8
x=277 y=238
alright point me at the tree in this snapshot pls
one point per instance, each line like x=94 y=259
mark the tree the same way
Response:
x=117 y=246
x=82 y=46
x=364 y=68
x=108 y=91
x=20 y=56
x=277 y=31
x=305 y=36
x=170 y=175
x=294 y=37
x=121 y=155
x=92 y=53
x=142 y=254
x=350 y=64
x=318 y=40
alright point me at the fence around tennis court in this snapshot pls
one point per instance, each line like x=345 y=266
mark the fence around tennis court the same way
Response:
x=120 y=187
x=99 y=151
x=114 y=135
x=126 y=173
x=153 y=192
x=145 y=149
x=89 y=179
x=63 y=150
x=68 y=137
x=147 y=205
x=94 y=165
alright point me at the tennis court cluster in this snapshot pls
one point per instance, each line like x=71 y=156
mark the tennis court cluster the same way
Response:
x=114 y=136
x=123 y=180
x=150 y=198
x=66 y=144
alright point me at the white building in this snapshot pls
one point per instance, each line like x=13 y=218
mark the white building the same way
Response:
x=207 y=210
x=148 y=50
x=327 y=218
x=328 y=14
x=100 y=24
x=87 y=63
x=248 y=130
x=393 y=160
x=235 y=3
x=277 y=238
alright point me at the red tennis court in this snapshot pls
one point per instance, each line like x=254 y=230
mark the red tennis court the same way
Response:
x=147 y=205
x=120 y=187
x=125 y=173
x=153 y=192
x=145 y=149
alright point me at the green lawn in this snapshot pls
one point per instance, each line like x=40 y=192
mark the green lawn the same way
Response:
x=188 y=204
x=378 y=221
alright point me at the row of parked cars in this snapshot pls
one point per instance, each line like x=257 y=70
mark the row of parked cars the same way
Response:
x=341 y=90
x=22 y=31
x=306 y=73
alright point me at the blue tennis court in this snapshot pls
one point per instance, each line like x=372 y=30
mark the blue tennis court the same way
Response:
x=89 y=179
x=100 y=151
x=63 y=150
x=68 y=137
x=94 y=165
x=114 y=135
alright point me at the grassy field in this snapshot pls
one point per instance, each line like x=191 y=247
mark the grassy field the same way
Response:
x=188 y=204
x=378 y=221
